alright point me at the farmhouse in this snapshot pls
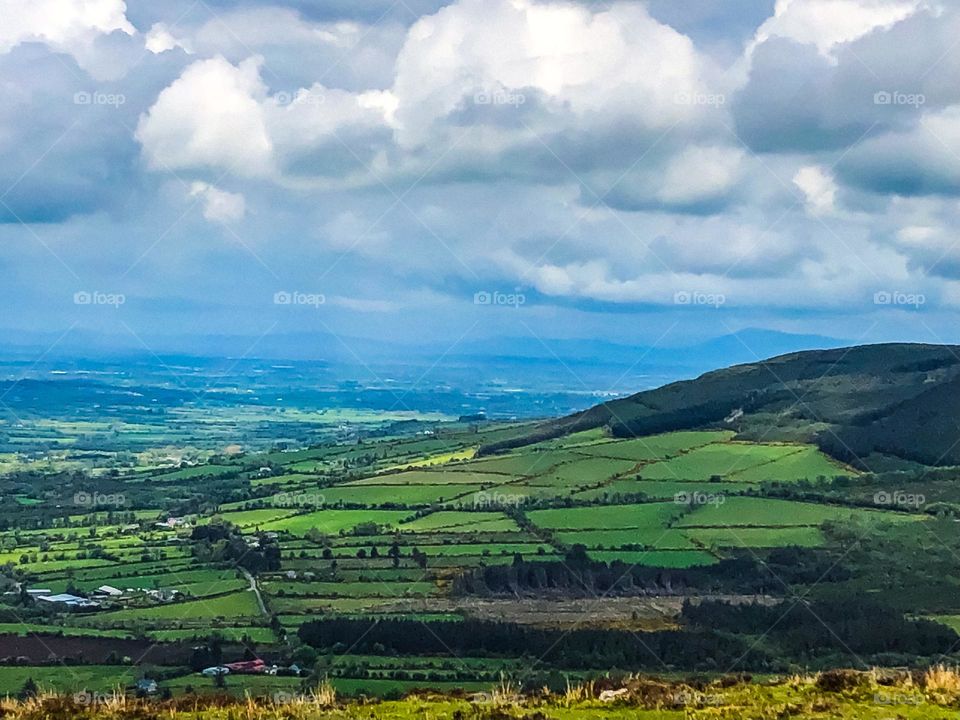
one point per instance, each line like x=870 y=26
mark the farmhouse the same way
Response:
x=69 y=602
x=147 y=686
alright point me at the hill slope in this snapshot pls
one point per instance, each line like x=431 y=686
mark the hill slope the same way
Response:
x=896 y=399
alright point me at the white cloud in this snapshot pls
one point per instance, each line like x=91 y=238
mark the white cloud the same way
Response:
x=210 y=117
x=614 y=77
x=66 y=25
x=590 y=67
x=219 y=206
x=700 y=174
x=828 y=23
x=917 y=234
x=348 y=231
x=818 y=187
x=159 y=39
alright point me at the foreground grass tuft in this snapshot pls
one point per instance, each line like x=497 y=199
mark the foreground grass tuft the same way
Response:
x=844 y=694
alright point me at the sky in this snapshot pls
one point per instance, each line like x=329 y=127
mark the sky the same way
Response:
x=430 y=173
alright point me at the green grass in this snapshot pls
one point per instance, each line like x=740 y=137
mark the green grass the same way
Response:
x=334 y=521
x=414 y=495
x=647 y=515
x=256 y=518
x=68 y=678
x=583 y=472
x=661 y=489
x=233 y=634
x=806 y=464
x=767 y=512
x=351 y=589
x=655 y=447
x=654 y=537
x=721 y=459
x=753 y=537
x=24 y=629
x=531 y=462
x=462 y=522
x=657 y=558
x=429 y=477
x=199 y=471
x=239 y=604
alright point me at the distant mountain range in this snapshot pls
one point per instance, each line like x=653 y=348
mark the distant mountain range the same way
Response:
x=863 y=405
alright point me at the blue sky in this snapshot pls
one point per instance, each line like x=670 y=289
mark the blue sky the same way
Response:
x=438 y=172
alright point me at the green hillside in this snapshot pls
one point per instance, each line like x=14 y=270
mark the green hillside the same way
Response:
x=862 y=405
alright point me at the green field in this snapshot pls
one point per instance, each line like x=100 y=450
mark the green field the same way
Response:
x=239 y=604
x=651 y=515
x=767 y=512
x=366 y=538
x=335 y=521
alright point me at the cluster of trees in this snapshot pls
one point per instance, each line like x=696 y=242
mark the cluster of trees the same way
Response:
x=578 y=648
x=716 y=636
x=852 y=626
x=578 y=575
x=224 y=543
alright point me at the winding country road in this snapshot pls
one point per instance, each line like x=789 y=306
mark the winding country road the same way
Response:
x=256 y=591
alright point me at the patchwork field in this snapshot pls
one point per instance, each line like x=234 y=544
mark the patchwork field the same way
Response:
x=387 y=529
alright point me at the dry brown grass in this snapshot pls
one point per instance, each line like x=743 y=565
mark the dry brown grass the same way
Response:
x=942 y=679
x=506 y=692
x=578 y=693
